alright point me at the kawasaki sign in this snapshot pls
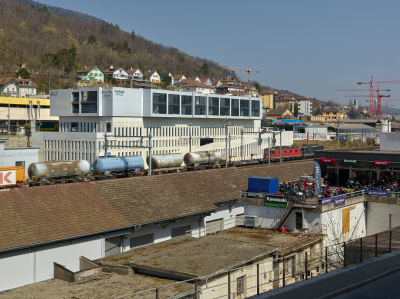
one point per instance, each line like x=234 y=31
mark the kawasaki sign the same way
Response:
x=350 y=162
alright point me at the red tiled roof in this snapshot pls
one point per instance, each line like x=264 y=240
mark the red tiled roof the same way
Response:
x=197 y=84
x=132 y=71
x=270 y=91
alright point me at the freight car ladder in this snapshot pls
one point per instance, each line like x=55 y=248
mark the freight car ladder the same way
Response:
x=284 y=214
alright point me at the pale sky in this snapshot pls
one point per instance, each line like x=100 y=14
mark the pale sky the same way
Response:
x=310 y=47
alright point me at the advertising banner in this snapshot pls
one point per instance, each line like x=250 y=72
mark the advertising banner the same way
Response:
x=377 y=193
x=381 y=163
x=325 y=201
x=8 y=177
x=339 y=200
x=323 y=160
x=317 y=176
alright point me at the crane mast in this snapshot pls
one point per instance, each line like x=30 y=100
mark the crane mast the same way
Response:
x=240 y=69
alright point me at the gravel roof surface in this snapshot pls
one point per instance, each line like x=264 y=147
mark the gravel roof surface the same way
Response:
x=203 y=256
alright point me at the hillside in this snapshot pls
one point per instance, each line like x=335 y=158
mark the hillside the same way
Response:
x=53 y=43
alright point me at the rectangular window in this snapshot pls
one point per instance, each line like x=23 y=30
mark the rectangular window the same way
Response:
x=141 y=241
x=240 y=285
x=213 y=106
x=109 y=130
x=179 y=231
x=200 y=105
x=74 y=127
x=186 y=105
x=299 y=220
x=225 y=107
x=19 y=163
x=234 y=107
x=159 y=103
x=255 y=108
x=173 y=104
x=89 y=102
x=75 y=102
x=244 y=107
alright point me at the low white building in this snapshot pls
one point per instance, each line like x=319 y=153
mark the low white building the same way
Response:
x=342 y=219
x=171 y=117
x=17 y=156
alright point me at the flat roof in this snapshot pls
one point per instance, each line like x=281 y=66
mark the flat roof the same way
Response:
x=106 y=285
x=204 y=256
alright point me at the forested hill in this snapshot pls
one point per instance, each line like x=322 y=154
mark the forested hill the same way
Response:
x=61 y=11
x=53 y=42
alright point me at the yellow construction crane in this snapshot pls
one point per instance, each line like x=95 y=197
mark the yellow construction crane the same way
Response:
x=239 y=69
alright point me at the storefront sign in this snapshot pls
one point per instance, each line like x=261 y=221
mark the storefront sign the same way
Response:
x=323 y=160
x=339 y=200
x=275 y=204
x=350 y=162
x=381 y=163
x=276 y=199
x=326 y=200
x=377 y=193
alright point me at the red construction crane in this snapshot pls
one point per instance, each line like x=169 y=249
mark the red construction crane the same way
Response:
x=239 y=69
x=371 y=88
x=375 y=106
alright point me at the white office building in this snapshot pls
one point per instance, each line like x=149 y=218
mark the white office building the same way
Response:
x=170 y=116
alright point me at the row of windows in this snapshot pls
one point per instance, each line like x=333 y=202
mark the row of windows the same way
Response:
x=198 y=105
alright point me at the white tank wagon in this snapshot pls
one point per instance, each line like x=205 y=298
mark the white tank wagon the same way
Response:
x=165 y=161
x=202 y=158
x=56 y=170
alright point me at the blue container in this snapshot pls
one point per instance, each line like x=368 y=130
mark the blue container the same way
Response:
x=258 y=184
x=133 y=163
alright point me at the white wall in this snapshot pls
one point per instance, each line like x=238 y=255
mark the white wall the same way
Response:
x=8 y=157
x=333 y=221
x=28 y=266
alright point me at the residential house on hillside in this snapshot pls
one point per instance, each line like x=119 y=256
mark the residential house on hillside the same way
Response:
x=179 y=78
x=181 y=84
x=169 y=74
x=268 y=97
x=17 y=87
x=305 y=105
x=285 y=101
x=153 y=76
x=280 y=113
x=90 y=74
x=229 y=81
x=117 y=73
x=216 y=83
x=251 y=90
x=228 y=89
x=198 y=87
x=194 y=79
x=206 y=81
x=333 y=114
x=134 y=74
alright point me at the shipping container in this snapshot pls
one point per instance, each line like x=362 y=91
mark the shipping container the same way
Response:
x=12 y=176
x=263 y=185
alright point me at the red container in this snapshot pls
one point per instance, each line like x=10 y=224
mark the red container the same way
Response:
x=283 y=229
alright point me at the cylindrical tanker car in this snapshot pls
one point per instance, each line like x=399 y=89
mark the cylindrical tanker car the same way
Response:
x=56 y=170
x=165 y=161
x=202 y=158
x=118 y=164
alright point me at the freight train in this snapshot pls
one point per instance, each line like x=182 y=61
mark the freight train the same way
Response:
x=114 y=167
